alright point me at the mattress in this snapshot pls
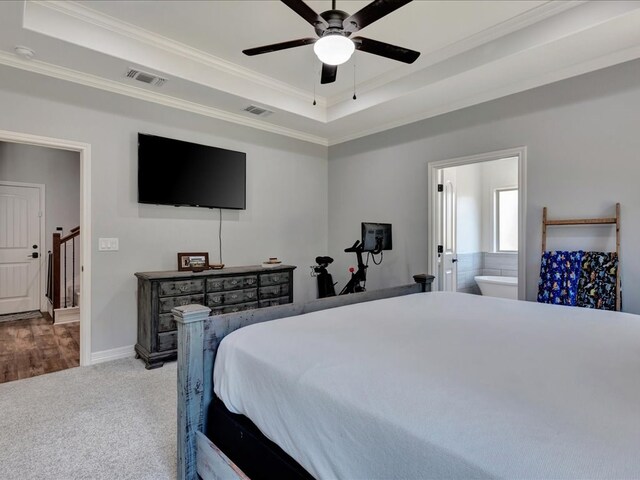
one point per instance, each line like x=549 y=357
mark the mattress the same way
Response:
x=443 y=385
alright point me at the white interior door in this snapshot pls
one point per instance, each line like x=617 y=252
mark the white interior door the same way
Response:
x=19 y=241
x=448 y=260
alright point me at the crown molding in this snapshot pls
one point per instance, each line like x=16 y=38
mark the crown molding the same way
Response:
x=487 y=96
x=134 y=32
x=86 y=79
x=523 y=20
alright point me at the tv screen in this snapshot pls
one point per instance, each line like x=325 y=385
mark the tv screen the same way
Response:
x=173 y=172
x=376 y=236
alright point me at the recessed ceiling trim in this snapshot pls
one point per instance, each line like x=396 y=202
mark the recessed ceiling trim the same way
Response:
x=514 y=24
x=87 y=28
x=486 y=96
x=93 y=81
x=147 y=37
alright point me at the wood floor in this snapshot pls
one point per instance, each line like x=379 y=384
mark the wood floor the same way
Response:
x=36 y=346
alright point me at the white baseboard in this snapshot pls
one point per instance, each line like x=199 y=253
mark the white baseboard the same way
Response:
x=113 y=354
x=67 y=315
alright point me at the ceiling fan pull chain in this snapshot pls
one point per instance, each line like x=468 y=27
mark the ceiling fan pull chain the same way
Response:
x=354 y=78
x=315 y=80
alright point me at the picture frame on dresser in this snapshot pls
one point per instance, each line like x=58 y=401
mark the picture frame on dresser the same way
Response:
x=193 y=261
x=232 y=289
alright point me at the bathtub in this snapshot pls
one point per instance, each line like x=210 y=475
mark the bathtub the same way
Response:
x=493 y=286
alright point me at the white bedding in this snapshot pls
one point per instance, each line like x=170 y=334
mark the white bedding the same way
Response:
x=442 y=385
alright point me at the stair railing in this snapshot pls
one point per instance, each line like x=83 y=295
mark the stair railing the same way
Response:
x=57 y=278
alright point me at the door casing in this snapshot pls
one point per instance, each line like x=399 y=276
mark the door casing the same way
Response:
x=433 y=176
x=84 y=149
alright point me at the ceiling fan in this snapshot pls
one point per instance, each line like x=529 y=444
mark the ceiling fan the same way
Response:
x=334 y=28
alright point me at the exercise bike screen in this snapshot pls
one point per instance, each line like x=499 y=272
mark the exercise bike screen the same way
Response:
x=376 y=236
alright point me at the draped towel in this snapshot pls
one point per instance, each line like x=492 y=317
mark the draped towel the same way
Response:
x=597 y=285
x=559 y=275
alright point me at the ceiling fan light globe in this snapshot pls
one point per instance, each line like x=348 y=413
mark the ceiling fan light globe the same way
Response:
x=334 y=49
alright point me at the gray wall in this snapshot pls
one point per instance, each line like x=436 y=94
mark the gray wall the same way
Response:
x=583 y=148
x=59 y=171
x=287 y=188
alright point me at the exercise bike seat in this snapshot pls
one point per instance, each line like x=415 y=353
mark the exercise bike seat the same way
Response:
x=324 y=260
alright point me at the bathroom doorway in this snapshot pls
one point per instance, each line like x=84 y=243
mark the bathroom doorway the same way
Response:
x=477 y=219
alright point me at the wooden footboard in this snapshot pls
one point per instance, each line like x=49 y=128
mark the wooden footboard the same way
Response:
x=199 y=336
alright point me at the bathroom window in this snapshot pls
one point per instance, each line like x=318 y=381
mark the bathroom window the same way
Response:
x=506 y=234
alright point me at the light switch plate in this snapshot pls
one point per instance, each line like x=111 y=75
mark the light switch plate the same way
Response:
x=108 y=244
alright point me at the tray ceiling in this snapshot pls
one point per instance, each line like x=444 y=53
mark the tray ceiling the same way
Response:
x=472 y=51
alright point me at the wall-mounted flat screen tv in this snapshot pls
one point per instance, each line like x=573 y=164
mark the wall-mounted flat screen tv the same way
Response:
x=173 y=172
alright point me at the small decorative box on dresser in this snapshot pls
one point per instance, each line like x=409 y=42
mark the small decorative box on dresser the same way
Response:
x=228 y=290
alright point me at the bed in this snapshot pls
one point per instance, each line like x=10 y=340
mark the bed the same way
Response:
x=422 y=385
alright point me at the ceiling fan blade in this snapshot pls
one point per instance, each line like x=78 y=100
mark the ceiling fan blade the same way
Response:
x=328 y=73
x=371 y=13
x=279 y=46
x=306 y=12
x=385 y=50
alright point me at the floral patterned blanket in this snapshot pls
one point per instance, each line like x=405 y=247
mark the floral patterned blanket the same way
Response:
x=559 y=275
x=597 y=284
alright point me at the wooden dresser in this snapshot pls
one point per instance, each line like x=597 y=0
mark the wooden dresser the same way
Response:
x=228 y=290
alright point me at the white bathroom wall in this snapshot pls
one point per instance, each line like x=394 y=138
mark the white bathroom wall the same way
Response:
x=469 y=193
x=495 y=175
x=469 y=221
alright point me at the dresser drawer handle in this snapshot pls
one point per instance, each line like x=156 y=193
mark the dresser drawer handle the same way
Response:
x=275 y=278
x=184 y=288
x=234 y=296
x=217 y=285
x=184 y=302
x=234 y=282
x=250 y=281
x=216 y=299
x=249 y=295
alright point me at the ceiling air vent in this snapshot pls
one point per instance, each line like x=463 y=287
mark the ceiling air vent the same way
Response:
x=261 y=112
x=145 y=77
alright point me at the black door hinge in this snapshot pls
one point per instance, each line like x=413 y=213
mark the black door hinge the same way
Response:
x=440 y=249
x=440 y=187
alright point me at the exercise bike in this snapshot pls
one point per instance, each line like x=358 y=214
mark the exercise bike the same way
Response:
x=358 y=277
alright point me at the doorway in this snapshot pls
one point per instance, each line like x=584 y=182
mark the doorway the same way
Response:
x=476 y=219
x=27 y=213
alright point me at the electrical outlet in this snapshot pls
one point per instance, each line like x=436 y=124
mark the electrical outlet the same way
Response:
x=108 y=244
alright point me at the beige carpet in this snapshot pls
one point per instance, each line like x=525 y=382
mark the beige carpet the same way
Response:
x=115 y=420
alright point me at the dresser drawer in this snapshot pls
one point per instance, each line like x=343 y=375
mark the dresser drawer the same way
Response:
x=236 y=296
x=271 y=302
x=241 y=296
x=167 y=341
x=215 y=284
x=274 y=291
x=169 y=303
x=274 y=278
x=233 y=283
x=166 y=323
x=234 y=308
x=182 y=287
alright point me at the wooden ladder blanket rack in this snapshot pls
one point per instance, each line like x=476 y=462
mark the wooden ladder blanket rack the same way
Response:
x=587 y=221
